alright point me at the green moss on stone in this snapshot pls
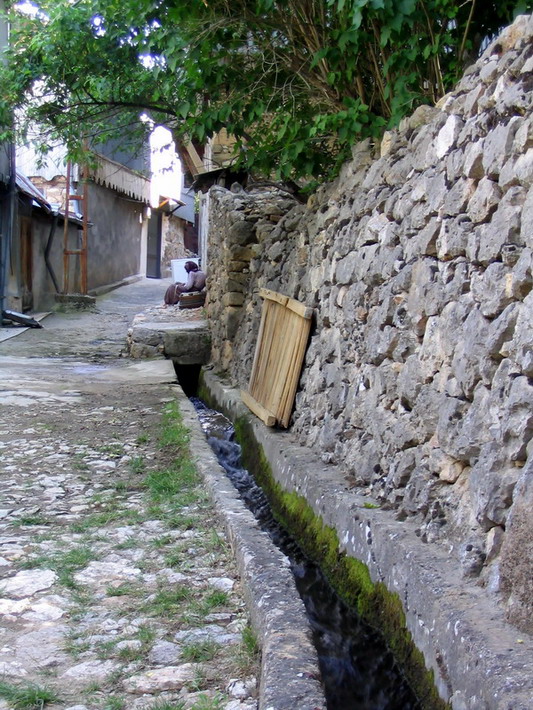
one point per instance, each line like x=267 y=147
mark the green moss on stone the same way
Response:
x=350 y=577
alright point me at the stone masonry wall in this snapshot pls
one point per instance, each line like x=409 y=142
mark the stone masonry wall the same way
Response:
x=418 y=379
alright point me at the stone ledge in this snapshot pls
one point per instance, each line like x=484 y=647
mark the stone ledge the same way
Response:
x=186 y=342
x=480 y=662
x=289 y=672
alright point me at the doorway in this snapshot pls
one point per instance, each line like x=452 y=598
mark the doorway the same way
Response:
x=153 y=255
x=26 y=263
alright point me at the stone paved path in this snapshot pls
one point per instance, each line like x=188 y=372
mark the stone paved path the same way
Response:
x=117 y=588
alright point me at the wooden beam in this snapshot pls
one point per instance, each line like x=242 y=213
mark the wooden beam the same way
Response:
x=261 y=412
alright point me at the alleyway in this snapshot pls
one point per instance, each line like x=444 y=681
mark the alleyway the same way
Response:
x=117 y=587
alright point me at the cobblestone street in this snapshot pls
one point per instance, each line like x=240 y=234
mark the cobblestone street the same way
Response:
x=118 y=589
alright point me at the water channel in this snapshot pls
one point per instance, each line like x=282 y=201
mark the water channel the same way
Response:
x=358 y=670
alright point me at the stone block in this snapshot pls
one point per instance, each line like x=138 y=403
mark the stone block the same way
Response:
x=517 y=419
x=241 y=233
x=452 y=240
x=458 y=197
x=425 y=296
x=501 y=331
x=470 y=352
x=484 y=201
x=526 y=227
x=401 y=468
x=447 y=136
x=188 y=345
x=498 y=146
x=233 y=298
x=454 y=165
x=421 y=147
x=523 y=139
x=231 y=320
x=504 y=228
x=492 y=289
x=492 y=481
x=516 y=567
x=463 y=428
x=424 y=242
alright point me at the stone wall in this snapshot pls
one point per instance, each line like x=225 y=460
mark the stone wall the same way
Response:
x=173 y=242
x=418 y=379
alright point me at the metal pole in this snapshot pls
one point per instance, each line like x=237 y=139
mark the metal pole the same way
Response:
x=83 y=255
x=7 y=227
x=66 y=265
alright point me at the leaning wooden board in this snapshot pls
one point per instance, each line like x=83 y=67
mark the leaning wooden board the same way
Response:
x=279 y=354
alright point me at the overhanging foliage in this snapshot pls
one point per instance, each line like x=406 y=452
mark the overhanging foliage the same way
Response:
x=296 y=81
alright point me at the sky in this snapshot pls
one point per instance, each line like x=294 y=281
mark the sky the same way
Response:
x=167 y=177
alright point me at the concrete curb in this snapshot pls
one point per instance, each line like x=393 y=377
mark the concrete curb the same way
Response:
x=289 y=670
x=101 y=290
x=480 y=662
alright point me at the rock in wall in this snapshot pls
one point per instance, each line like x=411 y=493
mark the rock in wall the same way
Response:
x=418 y=379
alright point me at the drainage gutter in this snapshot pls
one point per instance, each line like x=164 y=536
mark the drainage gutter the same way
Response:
x=289 y=664
x=479 y=661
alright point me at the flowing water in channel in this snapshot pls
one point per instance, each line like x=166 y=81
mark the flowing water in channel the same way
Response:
x=358 y=671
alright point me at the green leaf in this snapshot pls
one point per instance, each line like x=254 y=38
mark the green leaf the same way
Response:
x=184 y=109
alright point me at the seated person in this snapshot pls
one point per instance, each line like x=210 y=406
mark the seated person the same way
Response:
x=195 y=282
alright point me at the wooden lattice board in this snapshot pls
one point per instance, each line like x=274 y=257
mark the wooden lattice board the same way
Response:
x=281 y=343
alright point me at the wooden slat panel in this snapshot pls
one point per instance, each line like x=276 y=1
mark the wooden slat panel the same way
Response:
x=269 y=295
x=277 y=365
x=257 y=353
x=262 y=349
x=294 y=374
x=300 y=309
x=281 y=343
x=267 y=417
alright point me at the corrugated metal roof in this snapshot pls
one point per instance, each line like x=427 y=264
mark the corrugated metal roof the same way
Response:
x=28 y=188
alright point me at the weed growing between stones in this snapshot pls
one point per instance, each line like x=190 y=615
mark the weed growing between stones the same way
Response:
x=146 y=634
x=205 y=702
x=181 y=521
x=176 y=557
x=169 y=601
x=212 y=601
x=64 y=564
x=247 y=653
x=26 y=697
x=200 y=651
x=33 y=520
x=126 y=589
x=200 y=681
x=138 y=465
x=130 y=544
x=106 y=649
x=112 y=450
x=76 y=645
x=92 y=689
x=164 y=705
x=162 y=541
